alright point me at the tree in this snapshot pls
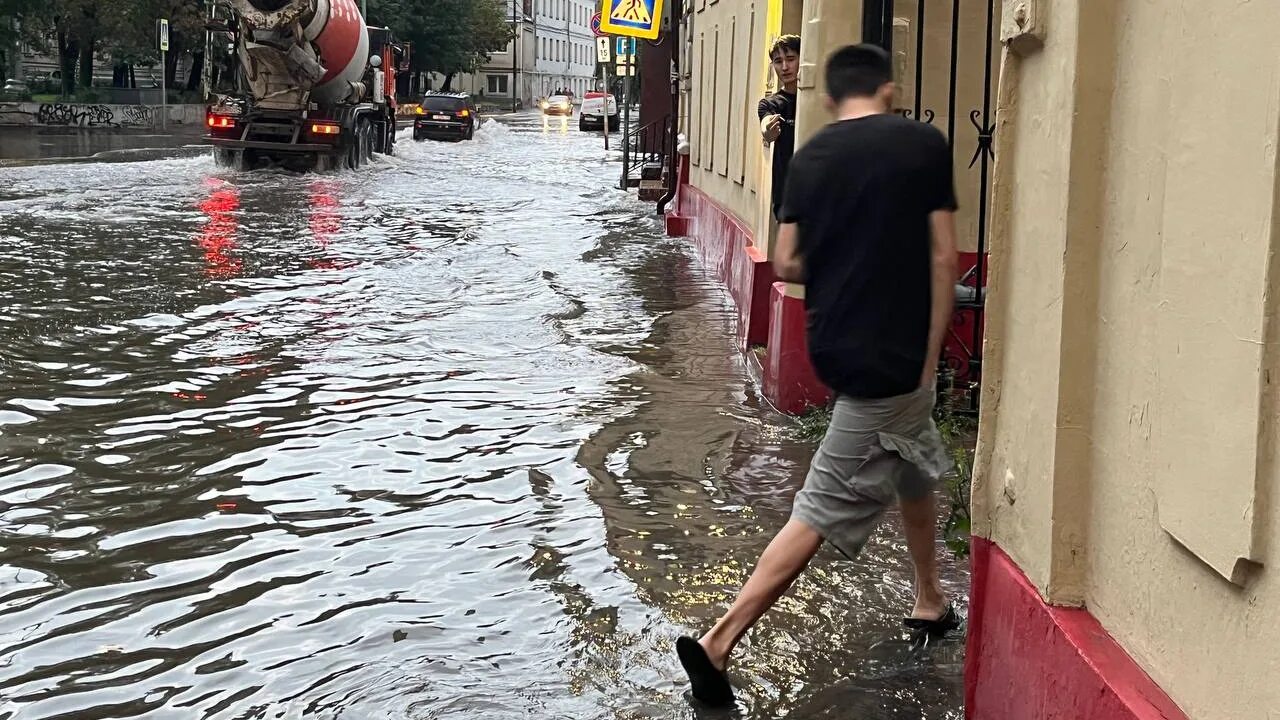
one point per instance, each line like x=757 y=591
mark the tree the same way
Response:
x=15 y=30
x=136 y=39
x=448 y=36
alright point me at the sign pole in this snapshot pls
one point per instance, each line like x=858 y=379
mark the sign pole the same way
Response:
x=626 y=116
x=164 y=75
x=629 y=19
x=164 y=93
x=602 y=60
x=604 y=119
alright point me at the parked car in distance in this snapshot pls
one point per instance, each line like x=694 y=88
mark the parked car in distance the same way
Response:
x=450 y=116
x=597 y=108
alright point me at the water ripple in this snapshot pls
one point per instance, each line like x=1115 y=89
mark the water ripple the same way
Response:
x=458 y=435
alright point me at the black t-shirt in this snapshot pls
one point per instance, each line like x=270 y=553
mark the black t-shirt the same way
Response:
x=861 y=192
x=784 y=104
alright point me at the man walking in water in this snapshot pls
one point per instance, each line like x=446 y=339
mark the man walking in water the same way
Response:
x=778 y=111
x=868 y=227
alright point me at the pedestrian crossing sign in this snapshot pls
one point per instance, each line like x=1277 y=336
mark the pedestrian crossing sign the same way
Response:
x=631 y=18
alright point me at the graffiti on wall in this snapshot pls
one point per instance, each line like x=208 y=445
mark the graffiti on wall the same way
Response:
x=83 y=115
x=77 y=115
x=138 y=115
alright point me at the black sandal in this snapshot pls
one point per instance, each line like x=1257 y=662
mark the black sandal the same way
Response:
x=709 y=683
x=933 y=629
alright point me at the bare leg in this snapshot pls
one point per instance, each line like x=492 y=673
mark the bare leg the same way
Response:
x=782 y=562
x=919 y=520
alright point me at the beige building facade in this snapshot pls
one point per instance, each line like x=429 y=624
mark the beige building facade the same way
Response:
x=1118 y=161
x=1127 y=459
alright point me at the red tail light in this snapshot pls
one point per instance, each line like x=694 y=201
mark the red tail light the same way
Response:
x=325 y=129
x=221 y=122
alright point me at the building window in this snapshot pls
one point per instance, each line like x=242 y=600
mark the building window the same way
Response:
x=498 y=84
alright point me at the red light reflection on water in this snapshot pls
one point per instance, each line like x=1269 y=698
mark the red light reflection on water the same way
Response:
x=325 y=221
x=218 y=236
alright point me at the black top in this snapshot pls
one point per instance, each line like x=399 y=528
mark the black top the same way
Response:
x=861 y=192
x=784 y=104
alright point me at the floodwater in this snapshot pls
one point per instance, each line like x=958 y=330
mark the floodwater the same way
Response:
x=457 y=435
x=22 y=145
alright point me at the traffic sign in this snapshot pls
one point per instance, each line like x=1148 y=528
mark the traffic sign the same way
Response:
x=164 y=35
x=595 y=25
x=625 y=46
x=602 y=49
x=632 y=18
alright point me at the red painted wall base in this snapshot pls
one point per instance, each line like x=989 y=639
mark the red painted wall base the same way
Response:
x=1027 y=660
x=789 y=380
x=677 y=225
x=765 y=317
x=754 y=323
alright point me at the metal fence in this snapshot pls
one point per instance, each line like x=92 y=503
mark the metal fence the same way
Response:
x=970 y=58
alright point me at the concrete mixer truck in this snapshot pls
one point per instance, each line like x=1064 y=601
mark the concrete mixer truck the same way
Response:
x=302 y=84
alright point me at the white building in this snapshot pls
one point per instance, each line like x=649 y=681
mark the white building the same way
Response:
x=507 y=80
x=564 y=47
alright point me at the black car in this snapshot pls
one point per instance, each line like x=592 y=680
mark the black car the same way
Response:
x=445 y=115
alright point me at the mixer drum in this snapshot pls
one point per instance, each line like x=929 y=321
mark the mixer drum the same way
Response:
x=334 y=27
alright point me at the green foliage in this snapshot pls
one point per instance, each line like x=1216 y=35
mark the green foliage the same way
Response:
x=124 y=28
x=448 y=36
x=812 y=425
x=87 y=96
x=959 y=433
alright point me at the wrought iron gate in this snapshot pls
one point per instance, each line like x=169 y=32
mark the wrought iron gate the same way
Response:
x=922 y=56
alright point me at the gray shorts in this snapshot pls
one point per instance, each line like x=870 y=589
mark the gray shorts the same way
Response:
x=874 y=452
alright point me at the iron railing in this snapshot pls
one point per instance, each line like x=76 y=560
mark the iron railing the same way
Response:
x=647 y=146
x=962 y=357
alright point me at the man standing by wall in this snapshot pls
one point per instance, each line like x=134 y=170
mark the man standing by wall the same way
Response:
x=778 y=111
x=868 y=227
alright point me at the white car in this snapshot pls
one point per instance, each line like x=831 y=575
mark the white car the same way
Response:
x=596 y=106
x=557 y=105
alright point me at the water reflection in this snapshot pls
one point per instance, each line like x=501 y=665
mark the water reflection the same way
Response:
x=218 y=237
x=552 y=123
x=25 y=144
x=456 y=436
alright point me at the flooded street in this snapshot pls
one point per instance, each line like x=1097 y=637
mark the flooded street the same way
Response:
x=22 y=145
x=458 y=435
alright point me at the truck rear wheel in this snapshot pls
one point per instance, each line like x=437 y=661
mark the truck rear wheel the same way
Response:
x=237 y=160
x=388 y=138
x=360 y=150
x=231 y=159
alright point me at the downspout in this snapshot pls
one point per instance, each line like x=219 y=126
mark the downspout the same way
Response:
x=675 y=147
